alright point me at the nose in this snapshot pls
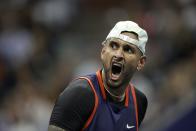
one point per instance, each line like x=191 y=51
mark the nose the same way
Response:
x=118 y=55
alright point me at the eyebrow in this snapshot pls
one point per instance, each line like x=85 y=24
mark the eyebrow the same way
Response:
x=117 y=40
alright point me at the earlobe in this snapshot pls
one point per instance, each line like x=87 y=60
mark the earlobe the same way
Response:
x=138 y=69
x=139 y=66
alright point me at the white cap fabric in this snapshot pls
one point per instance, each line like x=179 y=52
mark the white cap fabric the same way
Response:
x=130 y=26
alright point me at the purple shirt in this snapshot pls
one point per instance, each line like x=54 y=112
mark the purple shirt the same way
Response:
x=108 y=116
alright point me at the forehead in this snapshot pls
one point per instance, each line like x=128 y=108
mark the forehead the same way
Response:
x=120 y=42
x=123 y=43
x=131 y=35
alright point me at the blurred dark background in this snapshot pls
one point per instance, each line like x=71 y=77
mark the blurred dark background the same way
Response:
x=44 y=44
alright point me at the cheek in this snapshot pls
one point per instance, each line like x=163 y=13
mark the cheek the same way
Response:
x=132 y=62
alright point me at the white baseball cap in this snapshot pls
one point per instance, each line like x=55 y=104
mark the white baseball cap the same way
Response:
x=130 y=26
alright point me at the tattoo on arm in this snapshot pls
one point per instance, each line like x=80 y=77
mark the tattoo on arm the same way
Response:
x=55 y=128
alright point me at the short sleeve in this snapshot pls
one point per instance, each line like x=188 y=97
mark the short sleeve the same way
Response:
x=73 y=106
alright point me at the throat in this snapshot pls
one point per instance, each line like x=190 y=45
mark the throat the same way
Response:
x=115 y=98
x=117 y=95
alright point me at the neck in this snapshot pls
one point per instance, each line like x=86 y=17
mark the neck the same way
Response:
x=115 y=97
x=118 y=94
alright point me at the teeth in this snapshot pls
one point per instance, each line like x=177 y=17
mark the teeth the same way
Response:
x=117 y=64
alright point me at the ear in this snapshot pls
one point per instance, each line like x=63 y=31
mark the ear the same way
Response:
x=141 y=63
x=102 y=52
x=103 y=49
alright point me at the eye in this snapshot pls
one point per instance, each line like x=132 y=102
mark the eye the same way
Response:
x=114 y=45
x=128 y=49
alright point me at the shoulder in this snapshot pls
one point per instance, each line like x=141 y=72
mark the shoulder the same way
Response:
x=73 y=106
x=142 y=104
x=141 y=97
x=78 y=92
x=77 y=86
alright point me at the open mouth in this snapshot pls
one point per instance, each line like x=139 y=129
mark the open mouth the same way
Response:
x=116 y=70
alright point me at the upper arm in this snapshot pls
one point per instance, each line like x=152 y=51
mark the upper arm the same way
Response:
x=73 y=107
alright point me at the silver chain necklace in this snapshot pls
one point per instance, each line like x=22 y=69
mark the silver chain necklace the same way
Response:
x=119 y=98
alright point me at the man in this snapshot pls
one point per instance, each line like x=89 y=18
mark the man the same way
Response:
x=106 y=100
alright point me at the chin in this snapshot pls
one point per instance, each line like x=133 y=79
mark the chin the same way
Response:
x=114 y=84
